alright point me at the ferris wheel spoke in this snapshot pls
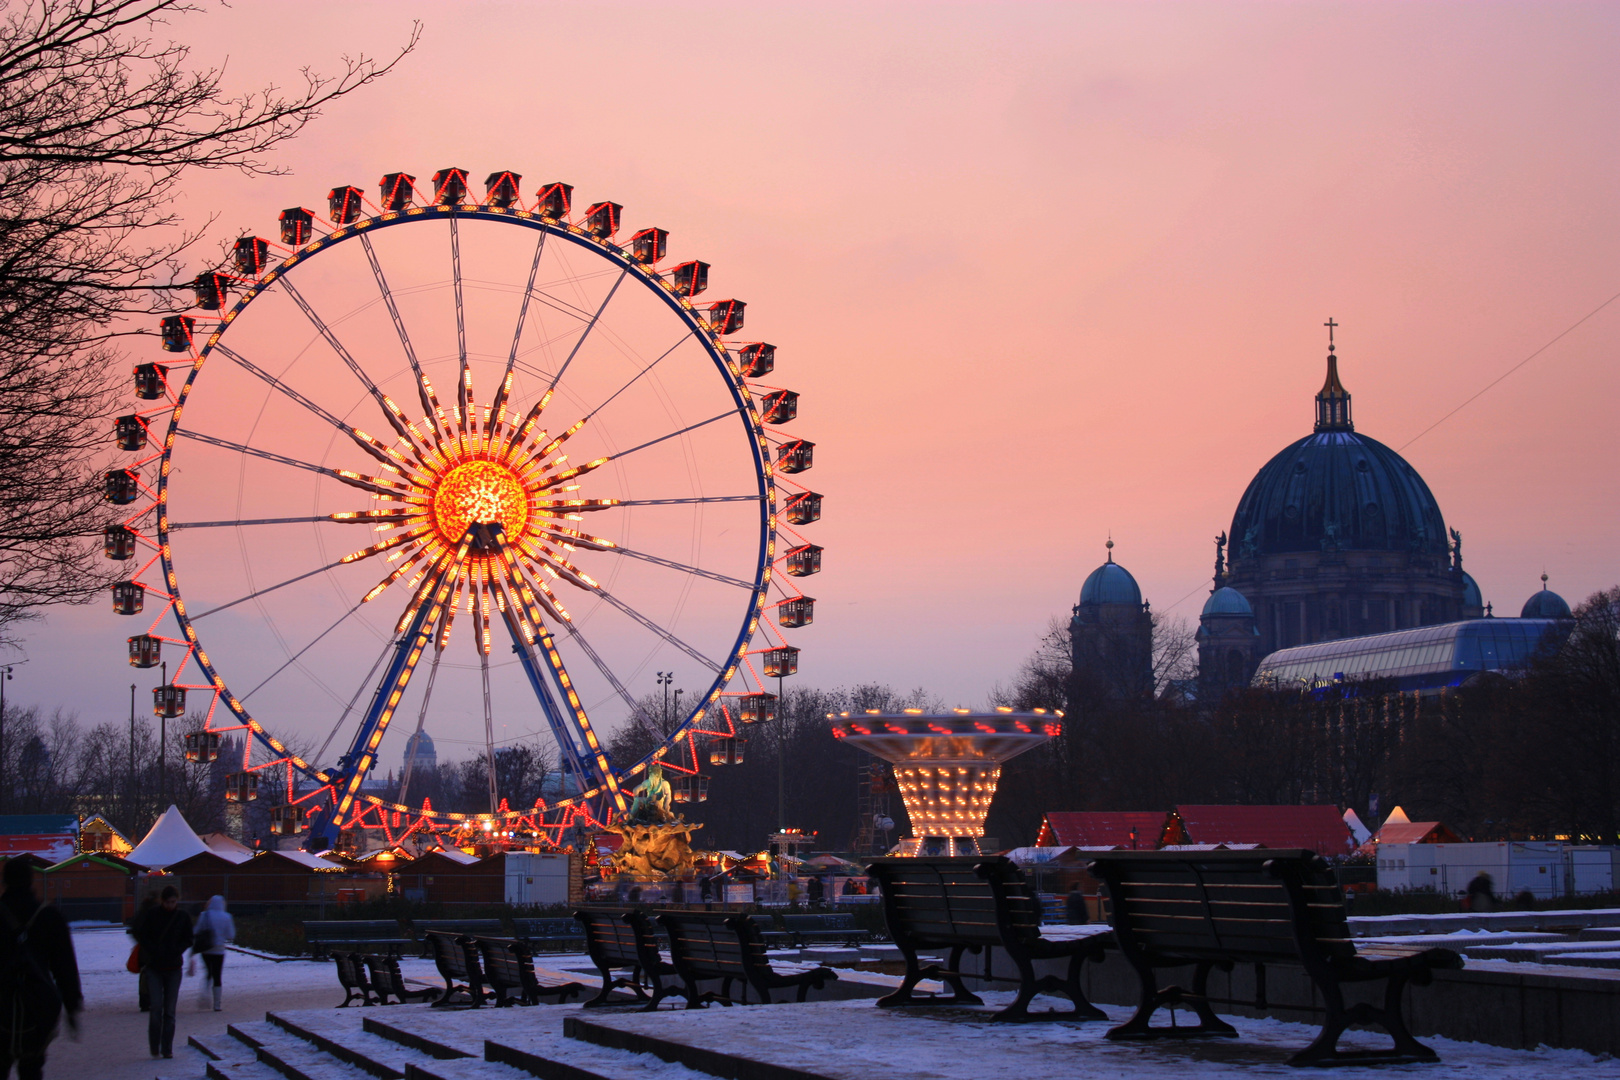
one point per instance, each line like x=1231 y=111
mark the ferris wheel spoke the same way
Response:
x=724 y=579
x=463 y=376
x=248 y=521
x=293 y=659
x=671 y=435
x=578 y=638
x=585 y=334
x=268 y=589
x=389 y=410
x=638 y=375
x=517 y=336
x=680 y=502
x=255 y=370
x=399 y=323
x=253 y=451
x=655 y=628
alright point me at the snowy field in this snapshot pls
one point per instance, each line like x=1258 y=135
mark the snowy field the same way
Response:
x=845 y=1040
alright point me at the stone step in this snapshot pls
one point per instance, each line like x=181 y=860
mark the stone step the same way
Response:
x=466 y=1069
x=219 y=1046
x=241 y=1070
x=1600 y=933
x=1600 y=959
x=551 y=1056
x=605 y=1037
x=423 y=1039
x=342 y=1035
x=291 y=1056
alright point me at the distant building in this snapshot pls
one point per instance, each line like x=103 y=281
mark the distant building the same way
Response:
x=1336 y=539
x=420 y=747
x=1111 y=633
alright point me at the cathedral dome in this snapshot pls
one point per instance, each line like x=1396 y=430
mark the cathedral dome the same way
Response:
x=1337 y=489
x=1227 y=601
x=1545 y=604
x=1472 y=597
x=1110 y=583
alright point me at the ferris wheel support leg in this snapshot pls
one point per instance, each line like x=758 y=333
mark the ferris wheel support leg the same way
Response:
x=356 y=764
x=578 y=760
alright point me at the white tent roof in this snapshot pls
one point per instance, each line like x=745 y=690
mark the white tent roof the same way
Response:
x=170 y=841
x=304 y=858
x=1358 y=831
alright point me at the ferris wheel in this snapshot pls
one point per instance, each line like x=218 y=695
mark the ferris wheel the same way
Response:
x=474 y=468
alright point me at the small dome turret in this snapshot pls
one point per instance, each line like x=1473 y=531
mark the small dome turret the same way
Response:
x=1472 y=597
x=1227 y=601
x=1110 y=583
x=1545 y=604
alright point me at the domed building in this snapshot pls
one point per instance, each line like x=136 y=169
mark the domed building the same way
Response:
x=1111 y=633
x=420 y=747
x=1545 y=604
x=1336 y=536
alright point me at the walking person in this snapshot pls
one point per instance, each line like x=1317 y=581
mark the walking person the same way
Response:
x=215 y=929
x=164 y=934
x=147 y=904
x=39 y=975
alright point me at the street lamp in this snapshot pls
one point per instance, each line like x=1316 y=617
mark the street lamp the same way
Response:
x=663 y=680
x=5 y=677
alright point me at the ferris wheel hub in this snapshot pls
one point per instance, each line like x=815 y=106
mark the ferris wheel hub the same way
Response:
x=480 y=493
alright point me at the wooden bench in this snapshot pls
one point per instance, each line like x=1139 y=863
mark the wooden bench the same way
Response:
x=456 y=957
x=351 y=975
x=1214 y=909
x=387 y=981
x=457 y=927
x=370 y=935
x=729 y=948
x=968 y=904
x=620 y=940
x=509 y=970
x=562 y=935
x=817 y=929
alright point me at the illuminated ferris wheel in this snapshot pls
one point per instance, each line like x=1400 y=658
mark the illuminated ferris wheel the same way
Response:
x=479 y=475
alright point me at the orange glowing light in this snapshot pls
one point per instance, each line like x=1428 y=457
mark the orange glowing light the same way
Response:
x=480 y=492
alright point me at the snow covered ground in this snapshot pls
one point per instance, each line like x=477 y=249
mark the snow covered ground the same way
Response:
x=840 y=1039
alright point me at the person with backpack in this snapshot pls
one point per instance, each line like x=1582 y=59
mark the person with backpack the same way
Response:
x=215 y=929
x=39 y=975
x=164 y=934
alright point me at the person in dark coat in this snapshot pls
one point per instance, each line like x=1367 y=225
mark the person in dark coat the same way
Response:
x=164 y=934
x=1074 y=907
x=39 y=975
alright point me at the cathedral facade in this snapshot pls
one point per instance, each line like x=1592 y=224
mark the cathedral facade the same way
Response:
x=1337 y=536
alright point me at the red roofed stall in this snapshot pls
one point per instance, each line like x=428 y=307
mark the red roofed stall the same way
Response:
x=1143 y=829
x=1318 y=828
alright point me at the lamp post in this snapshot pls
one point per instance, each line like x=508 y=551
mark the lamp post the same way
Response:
x=163 y=749
x=664 y=679
x=5 y=677
x=129 y=809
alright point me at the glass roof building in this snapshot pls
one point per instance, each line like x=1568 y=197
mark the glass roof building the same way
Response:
x=1424 y=658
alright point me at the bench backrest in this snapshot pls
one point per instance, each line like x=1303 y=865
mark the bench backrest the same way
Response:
x=385 y=975
x=836 y=921
x=504 y=962
x=351 y=974
x=1261 y=905
x=715 y=945
x=617 y=938
x=350 y=929
x=449 y=955
x=954 y=900
x=546 y=928
x=492 y=927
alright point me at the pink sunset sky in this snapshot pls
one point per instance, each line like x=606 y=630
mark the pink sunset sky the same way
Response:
x=1041 y=273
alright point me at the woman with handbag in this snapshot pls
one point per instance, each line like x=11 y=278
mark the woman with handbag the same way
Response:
x=215 y=929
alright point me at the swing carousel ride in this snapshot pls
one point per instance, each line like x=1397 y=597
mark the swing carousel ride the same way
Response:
x=565 y=471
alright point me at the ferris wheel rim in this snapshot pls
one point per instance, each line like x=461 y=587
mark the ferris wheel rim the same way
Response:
x=744 y=404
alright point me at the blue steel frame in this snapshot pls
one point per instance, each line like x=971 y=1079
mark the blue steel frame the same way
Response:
x=354 y=764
